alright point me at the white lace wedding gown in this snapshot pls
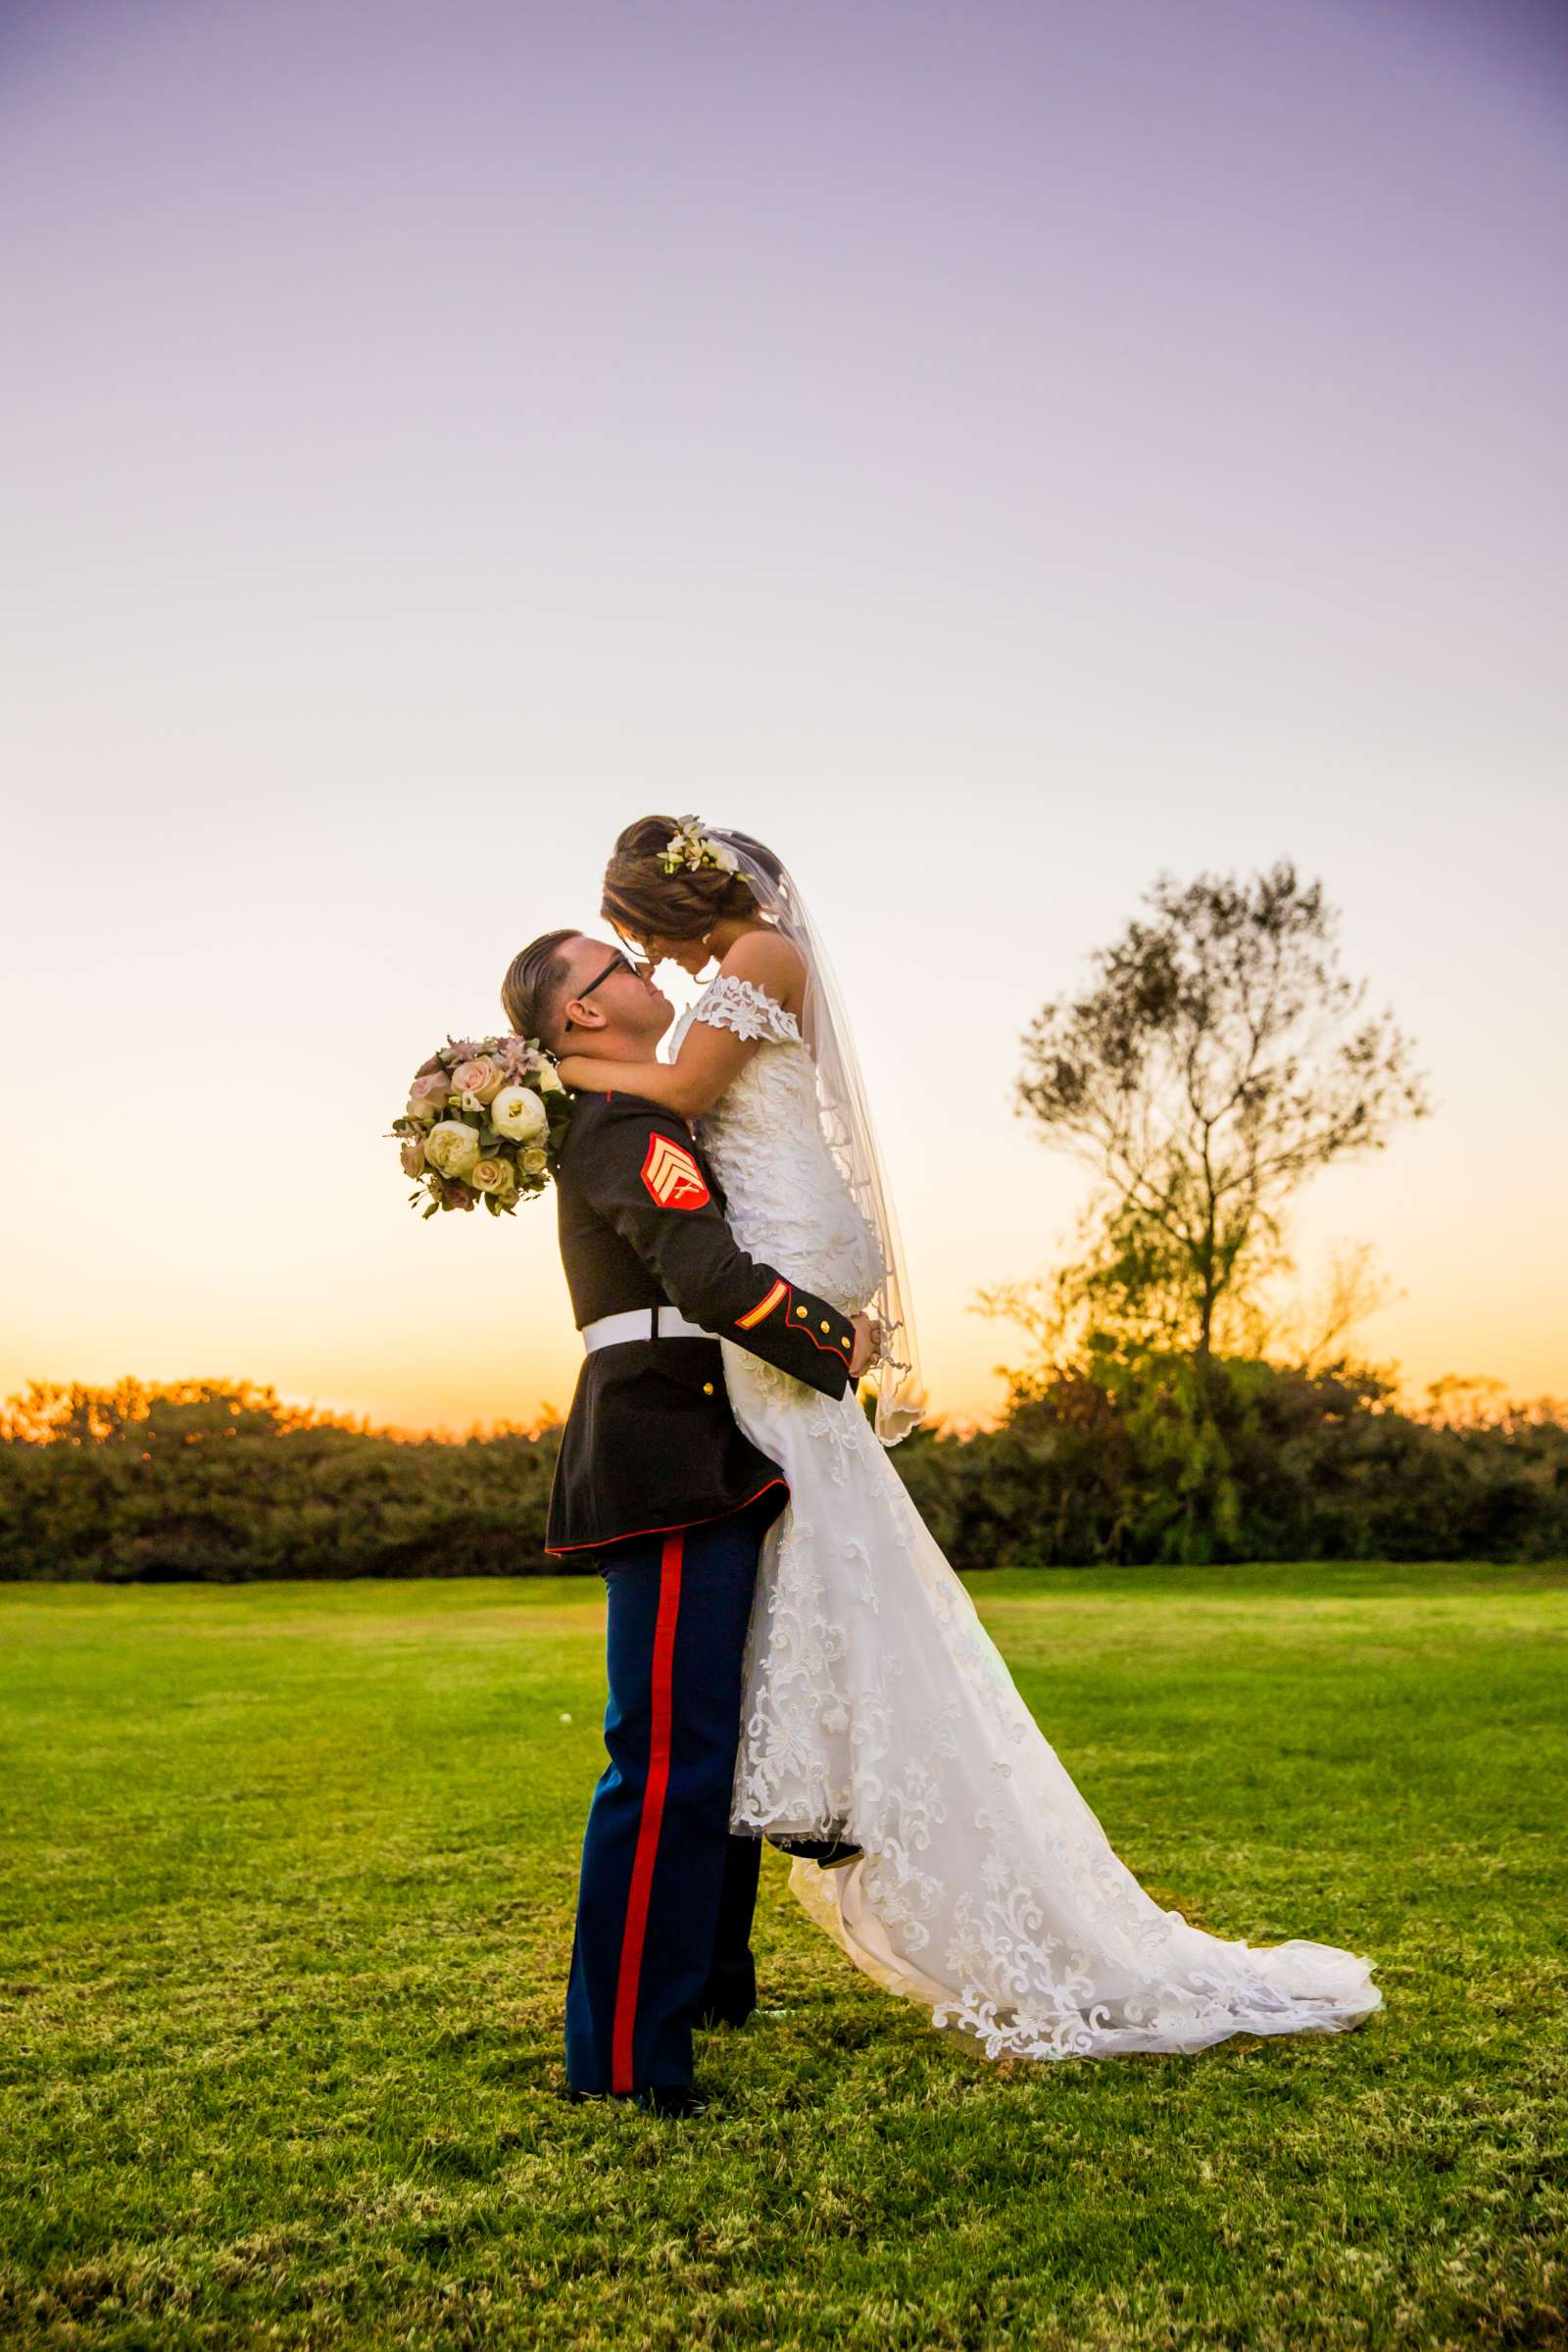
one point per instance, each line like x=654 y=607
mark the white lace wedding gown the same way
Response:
x=877 y=1705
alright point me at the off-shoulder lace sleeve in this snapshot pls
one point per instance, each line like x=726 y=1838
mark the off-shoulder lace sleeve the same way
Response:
x=731 y=1002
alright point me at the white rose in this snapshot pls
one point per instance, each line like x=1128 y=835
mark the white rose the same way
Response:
x=548 y=1080
x=492 y=1176
x=452 y=1147
x=518 y=1114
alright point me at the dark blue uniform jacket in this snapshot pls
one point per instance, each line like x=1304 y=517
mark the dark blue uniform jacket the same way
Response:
x=650 y=1443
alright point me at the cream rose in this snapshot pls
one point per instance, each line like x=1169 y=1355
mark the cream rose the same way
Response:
x=482 y=1078
x=492 y=1176
x=548 y=1080
x=451 y=1147
x=535 y=1160
x=517 y=1113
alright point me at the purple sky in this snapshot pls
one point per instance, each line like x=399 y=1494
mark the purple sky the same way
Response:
x=996 y=451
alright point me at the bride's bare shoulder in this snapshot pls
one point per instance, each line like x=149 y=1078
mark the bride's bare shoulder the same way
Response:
x=771 y=964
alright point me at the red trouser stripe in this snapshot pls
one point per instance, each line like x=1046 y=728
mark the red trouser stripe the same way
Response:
x=647 y=1854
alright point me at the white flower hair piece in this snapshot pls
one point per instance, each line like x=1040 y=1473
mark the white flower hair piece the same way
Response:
x=689 y=846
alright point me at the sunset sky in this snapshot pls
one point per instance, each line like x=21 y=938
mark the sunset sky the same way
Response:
x=994 y=454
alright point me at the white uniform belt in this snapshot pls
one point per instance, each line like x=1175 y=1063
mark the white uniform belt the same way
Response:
x=637 y=1323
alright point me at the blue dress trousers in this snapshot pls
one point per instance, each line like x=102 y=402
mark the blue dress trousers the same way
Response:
x=665 y=1897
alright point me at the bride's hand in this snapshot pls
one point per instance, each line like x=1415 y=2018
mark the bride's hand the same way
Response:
x=579 y=1071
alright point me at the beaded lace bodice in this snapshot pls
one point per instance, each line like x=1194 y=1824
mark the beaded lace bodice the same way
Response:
x=787 y=1203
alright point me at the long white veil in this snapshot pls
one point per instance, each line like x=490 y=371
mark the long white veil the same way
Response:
x=846 y=1114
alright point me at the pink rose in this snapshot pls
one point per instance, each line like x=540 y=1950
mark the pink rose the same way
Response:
x=482 y=1078
x=427 y=1096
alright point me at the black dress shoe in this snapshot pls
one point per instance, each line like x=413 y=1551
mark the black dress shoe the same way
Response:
x=674 y=2099
x=678 y=2100
x=828 y=1853
x=705 y=2020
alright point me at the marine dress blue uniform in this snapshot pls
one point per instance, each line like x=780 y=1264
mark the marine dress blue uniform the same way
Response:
x=656 y=1480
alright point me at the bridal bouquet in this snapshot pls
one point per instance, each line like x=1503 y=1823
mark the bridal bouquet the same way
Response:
x=484 y=1122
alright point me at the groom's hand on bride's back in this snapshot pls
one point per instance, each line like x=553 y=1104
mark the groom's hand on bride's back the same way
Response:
x=867 y=1340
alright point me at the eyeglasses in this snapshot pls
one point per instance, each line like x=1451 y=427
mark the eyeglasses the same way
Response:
x=617 y=963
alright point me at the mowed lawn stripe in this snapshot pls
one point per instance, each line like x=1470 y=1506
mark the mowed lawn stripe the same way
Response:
x=286 y=1881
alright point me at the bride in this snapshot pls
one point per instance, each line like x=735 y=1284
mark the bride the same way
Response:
x=879 y=1719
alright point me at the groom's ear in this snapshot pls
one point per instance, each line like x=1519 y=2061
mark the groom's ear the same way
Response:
x=584 y=1018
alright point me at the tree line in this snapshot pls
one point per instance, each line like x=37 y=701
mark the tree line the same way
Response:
x=1177 y=1399
x=209 y=1481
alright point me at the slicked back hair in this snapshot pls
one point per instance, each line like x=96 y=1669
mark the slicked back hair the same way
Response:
x=536 y=982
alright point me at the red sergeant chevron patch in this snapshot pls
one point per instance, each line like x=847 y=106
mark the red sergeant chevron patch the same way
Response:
x=671 y=1175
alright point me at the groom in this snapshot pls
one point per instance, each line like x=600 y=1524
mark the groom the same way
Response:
x=656 y=1480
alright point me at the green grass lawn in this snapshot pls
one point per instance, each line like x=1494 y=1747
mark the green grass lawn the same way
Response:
x=284 y=1923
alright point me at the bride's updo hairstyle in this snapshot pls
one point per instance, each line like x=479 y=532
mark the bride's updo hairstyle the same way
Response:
x=645 y=902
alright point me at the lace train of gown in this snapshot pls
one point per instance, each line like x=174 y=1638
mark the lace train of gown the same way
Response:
x=877 y=1705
